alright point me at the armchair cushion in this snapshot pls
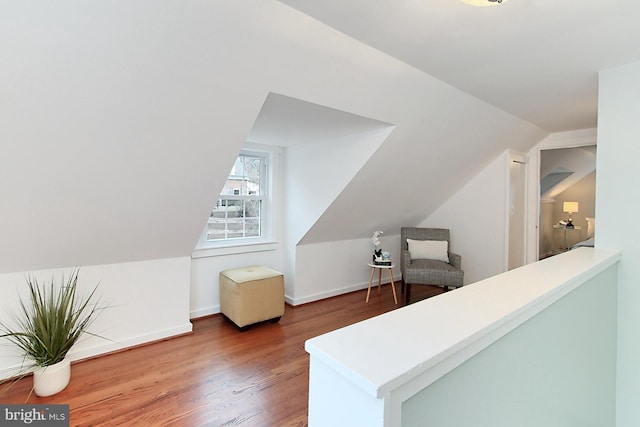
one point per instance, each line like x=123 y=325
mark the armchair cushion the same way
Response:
x=429 y=249
x=428 y=271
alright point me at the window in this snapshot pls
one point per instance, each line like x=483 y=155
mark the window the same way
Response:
x=239 y=213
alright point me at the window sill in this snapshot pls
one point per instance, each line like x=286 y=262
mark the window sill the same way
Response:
x=243 y=248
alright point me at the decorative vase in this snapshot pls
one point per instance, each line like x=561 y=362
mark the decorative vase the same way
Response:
x=49 y=380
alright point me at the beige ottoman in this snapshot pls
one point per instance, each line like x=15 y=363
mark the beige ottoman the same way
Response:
x=251 y=294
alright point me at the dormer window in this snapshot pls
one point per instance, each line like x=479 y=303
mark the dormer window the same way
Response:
x=239 y=212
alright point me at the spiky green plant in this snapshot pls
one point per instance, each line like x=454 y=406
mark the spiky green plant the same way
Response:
x=52 y=320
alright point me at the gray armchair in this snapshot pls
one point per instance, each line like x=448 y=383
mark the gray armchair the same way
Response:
x=428 y=271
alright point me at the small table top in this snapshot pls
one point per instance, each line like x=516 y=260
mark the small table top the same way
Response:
x=381 y=266
x=562 y=227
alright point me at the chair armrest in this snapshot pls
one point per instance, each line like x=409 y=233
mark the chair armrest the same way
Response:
x=455 y=260
x=405 y=257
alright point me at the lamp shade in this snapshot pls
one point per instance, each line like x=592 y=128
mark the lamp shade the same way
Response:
x=571 y=207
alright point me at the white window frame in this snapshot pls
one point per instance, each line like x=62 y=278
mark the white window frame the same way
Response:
x=205 y=248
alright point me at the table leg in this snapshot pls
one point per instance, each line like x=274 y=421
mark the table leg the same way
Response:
x=393 y=286
x=379 y=279
x=370 y=281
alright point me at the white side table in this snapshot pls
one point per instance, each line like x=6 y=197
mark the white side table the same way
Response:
x=389 y=268
x=565 y=247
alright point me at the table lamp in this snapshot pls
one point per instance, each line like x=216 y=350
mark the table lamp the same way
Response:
x=570 y=207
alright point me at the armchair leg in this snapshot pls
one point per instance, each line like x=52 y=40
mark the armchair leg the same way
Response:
x=407 y=295
x=403 y=285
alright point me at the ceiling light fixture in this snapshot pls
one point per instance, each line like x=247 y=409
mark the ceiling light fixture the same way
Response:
x=483 y=2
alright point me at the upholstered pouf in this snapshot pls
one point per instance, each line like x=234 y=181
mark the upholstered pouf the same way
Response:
x=251 y=294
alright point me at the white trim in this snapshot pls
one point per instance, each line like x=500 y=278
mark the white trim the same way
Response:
x=456 y=355
x=111 y=346
x=518 y=157
x=328 y=294
x=202 y=312
x=341 y=291
x=243 y=248
x=268 y=223
x=132 y=341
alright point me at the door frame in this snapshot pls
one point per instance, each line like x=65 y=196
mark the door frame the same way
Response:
x=570 y=139
x=521 y=158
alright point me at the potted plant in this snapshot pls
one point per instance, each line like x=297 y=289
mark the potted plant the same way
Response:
x=47 y=325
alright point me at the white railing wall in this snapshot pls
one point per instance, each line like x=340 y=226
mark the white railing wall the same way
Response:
x=530 y=347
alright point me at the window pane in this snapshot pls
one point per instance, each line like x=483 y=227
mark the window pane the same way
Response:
x=252 y=208
x=252 y=186
x=238 y=212
x=235 y=224
x=252 y=227
x=216 y=230
x=219 y=210
x=252 y=172
x=235 y=209
x=235 y=179
x=232 y=186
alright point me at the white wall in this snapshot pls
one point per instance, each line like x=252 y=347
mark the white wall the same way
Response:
x=108 y=132
x=205 y=283
x=313 y=175
x=321 y=270
x=332 y=268
x=207 y=263
x=316 y=173
x=617 y=205
x=476 y=218
x=146 y=301
x=309 y=176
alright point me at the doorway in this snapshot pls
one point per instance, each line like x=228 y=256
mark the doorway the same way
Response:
x=567 y=194
x=582 y=139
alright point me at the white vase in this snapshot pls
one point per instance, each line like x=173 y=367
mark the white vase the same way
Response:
x=49 y=380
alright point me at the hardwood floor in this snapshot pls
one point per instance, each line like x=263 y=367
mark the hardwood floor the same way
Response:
x=216 y=376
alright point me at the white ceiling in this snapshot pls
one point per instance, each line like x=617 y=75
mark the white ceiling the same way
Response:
x=537 y=59
x=286 y=121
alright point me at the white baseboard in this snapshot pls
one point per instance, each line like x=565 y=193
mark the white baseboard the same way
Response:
x=111 y=346
x=131 y=342
x=215 y=309
x=202 y=312
x=335 y=292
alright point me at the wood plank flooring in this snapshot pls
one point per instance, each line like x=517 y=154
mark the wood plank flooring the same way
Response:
x=216 y=376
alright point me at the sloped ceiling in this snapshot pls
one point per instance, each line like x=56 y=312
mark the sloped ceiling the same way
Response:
x=121 y=119
x=538 y=60
x=284 y=121
x=565 y=167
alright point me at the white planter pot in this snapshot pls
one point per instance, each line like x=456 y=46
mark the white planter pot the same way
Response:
x=49 y=380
